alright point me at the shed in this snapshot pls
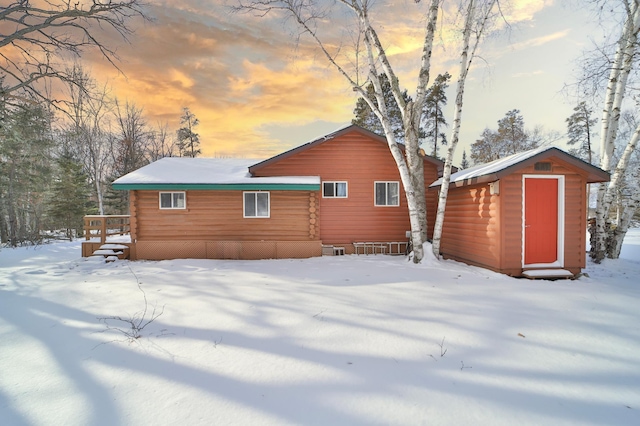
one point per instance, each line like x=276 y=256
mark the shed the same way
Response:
x=523 y=215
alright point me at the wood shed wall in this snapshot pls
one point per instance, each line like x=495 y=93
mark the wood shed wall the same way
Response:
x=472 y=227
x=359 y=160
x=511 y=232
x=486 y=230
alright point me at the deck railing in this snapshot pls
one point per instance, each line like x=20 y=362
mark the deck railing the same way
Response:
x=102 y=226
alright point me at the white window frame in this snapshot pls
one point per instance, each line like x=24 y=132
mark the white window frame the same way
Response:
x=335 y=183
x=173 y=206
x=375 y=193
x=255 y=194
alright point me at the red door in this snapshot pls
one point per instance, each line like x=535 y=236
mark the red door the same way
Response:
x=540 y=221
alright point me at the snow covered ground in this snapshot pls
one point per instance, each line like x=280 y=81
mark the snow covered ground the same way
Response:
x=335 y=340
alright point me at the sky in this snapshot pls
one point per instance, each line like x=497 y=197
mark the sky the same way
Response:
x=257 y=92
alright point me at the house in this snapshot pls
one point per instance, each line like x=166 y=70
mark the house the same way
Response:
x=342 y=191
x=523 y=215
x=362 y=197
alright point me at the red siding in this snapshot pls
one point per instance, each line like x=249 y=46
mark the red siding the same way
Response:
x=487 y=230
x=471 y=229
x=511 y=229
x=359 y=160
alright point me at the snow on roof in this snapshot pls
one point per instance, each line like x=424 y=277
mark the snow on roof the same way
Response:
x=494 y=166
x=205 y=171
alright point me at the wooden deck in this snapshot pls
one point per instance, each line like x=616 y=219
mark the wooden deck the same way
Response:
x=98 y=228
x=103 y=226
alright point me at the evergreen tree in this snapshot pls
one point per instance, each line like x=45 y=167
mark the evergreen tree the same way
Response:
x=25 y=158
x=511 y=133
x=510 y=138
x=69 y=199
x=465 y=161
x=364 y=117
x=580 y=126
x=188 y=140
x=434 y=121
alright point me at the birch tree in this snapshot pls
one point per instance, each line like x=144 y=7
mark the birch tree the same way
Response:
x=476 y=18
x=607 y=235
x=370 y=50
x=130 y=142
x=367 y=62
x=89 y=107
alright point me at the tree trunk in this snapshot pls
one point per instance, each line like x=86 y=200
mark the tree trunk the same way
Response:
x=618 y=233
x=457 y=117
x=616 y=87
x=410 y=191
x=604 y=231
x=3 y=221
x=12 y=223
x=465 y=64
x=99 y=196
x=415 y=161
x=410 y=167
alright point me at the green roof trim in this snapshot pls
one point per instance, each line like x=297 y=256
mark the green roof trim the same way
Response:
x=218 y=186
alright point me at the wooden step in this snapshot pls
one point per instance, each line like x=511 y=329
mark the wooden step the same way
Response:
x=547 y=274
x=112 y=251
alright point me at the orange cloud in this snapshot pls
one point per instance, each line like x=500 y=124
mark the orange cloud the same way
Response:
x=248 y=81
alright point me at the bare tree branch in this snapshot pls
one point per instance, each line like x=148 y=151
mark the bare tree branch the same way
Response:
x=30 y=36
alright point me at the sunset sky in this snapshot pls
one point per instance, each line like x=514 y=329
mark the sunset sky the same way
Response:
x=257 y=93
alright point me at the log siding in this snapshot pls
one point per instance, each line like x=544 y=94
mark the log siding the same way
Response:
x=218 y=215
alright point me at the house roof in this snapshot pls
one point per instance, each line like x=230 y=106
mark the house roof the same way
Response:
x=209 y=173
x=495 y=170
x=342 y=131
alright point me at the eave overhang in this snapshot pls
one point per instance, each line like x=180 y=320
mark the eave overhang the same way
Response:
x=216 y=187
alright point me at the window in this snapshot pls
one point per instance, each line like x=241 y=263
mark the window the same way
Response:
x=387 y=194
x=334 y=189
x=172 y=200
x=256 y=204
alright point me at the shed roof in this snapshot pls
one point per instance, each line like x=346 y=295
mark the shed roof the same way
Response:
x=209 y=173
x=341 y=131
x=495 y=170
